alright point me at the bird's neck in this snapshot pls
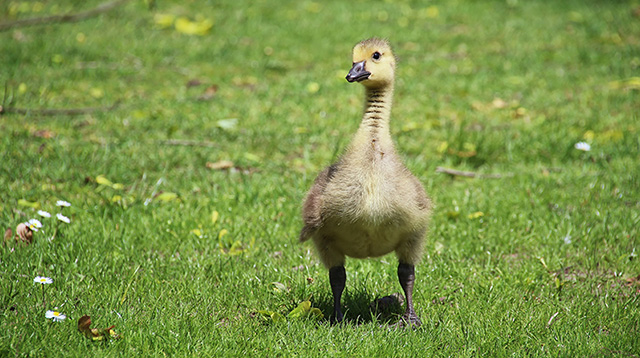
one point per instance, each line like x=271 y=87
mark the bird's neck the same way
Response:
x=374 y=129
x=377 y=109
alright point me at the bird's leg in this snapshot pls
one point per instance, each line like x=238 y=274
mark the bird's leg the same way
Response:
x=406 y=276
x=337 y=278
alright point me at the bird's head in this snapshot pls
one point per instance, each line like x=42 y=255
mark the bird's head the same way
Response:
x=373 y=63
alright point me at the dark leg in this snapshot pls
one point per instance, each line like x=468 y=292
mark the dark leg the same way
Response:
x=406 y=275
x=337 y=278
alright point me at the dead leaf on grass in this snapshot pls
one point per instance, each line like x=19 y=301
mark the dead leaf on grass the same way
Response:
x=95 y=334
x=194 y=83
x=633 y=281
x=23 y=233
x=8 y=234
x=44 y=133
x=208 y=93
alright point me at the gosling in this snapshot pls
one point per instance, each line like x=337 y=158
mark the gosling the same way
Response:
x=368 y=203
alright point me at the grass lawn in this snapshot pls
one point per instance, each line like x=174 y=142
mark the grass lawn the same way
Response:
x=189 y=259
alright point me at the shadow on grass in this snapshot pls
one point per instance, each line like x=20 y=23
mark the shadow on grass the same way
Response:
x=362 y=307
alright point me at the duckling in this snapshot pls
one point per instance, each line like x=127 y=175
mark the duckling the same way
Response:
x=368 y=203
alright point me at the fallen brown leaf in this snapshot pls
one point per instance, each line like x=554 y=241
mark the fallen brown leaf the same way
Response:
x=208 y=93
x=193 y=83
x=84 y=326
x=24 y=233
x=44 y=133
x=632 y=281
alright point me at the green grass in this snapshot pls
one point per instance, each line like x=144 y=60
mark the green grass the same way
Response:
x=557 y=238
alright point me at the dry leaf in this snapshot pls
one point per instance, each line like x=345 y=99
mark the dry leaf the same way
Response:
x=84 y=326
x=194 y=83
x=633 y=281
x=24 y=233
x=223 y=164
x=208 y=93
x=44 y=133
x=8 y=234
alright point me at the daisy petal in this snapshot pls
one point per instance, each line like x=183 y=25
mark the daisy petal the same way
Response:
x=62 y=203
x=583 y=146
x=63 y=218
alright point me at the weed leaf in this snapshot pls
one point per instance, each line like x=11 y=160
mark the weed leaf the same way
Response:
x=102 y=180
x=304 y=310
x=29 y=204
x=167 y=196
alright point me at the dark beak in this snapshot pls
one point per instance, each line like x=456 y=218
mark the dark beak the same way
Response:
x=358 y=73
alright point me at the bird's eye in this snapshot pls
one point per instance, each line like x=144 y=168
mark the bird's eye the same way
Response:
x=376 y=55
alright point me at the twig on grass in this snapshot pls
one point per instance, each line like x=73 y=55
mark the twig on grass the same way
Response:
x=58 y=111
x=104 y=7
x=461 y=173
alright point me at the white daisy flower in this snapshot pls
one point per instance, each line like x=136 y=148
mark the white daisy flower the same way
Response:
x=42 y=280
x=34 y=224
x=44 y=214
x=583 y=146
x=55 y=315
x=63 y=218
x=62 y=203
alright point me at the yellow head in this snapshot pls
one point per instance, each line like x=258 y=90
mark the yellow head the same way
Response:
x=373 y=63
